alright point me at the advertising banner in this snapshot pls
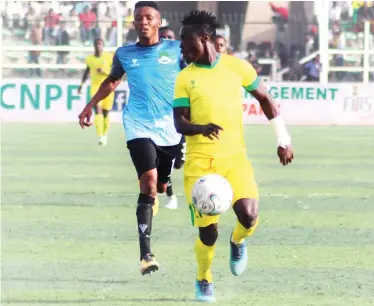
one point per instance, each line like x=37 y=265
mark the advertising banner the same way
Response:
x=24 y=100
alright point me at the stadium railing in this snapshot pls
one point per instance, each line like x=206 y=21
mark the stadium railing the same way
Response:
x=326 y=52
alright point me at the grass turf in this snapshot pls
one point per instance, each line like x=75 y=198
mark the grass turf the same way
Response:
x=69 y=228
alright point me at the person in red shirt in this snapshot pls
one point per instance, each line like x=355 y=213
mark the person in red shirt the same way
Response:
x=88 y=22
x=50 y=23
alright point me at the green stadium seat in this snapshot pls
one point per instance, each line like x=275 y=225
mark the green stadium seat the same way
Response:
x=72 y=70
x=13 y=58
x=19 y=33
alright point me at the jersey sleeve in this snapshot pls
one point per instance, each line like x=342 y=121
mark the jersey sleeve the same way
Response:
x=181 y=95
x=117 y=70
x=250 y=80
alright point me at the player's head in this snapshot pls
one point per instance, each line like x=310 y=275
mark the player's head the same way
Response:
x=220 y=44
x=147 y=19
x=99 y=45
x=166 y=33
x=197 y=33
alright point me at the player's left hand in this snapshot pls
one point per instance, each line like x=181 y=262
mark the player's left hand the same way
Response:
x=285 y=155
x=99 y=70
x=85 y=117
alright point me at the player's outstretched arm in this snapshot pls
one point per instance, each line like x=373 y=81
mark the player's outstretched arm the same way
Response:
x=84 y=79
x=270 y=110
x=185 y=127
x=106 y=88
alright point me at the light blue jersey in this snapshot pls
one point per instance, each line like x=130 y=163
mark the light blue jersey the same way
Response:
x=151 y=73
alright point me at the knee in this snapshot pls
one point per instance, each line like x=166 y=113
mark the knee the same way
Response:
x=148 y=186
x=247 y=212
x=208 y=235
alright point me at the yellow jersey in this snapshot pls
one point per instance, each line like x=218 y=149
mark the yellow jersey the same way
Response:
x=104 y=62
x=214 y=94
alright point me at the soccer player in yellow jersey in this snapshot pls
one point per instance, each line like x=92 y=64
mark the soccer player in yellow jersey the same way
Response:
x=99 y=65
x=208 y=110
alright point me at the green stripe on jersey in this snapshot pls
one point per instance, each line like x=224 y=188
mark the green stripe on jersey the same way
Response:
x=181 y=102
x=253 y=86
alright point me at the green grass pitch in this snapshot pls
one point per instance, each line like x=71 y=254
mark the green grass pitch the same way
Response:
x=69 y=228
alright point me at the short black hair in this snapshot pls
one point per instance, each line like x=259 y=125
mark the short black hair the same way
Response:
x=220 y=36
x=165 y=28
x=151 y=4
x=97 y=39
x=202 y=21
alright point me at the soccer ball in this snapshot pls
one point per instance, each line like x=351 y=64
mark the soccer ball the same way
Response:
x=212 y=195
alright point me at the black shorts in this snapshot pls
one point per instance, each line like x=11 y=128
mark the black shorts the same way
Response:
x=181 y=157
x=146 y=155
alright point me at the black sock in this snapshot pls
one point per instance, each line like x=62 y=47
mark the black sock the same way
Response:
x=144 y=214
x=169 y=189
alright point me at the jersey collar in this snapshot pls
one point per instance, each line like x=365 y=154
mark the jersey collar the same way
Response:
x=155 y=45
x=209 y=66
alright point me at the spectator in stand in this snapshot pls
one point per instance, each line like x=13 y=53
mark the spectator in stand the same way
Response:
x=335 y=12
x=72 y=24
x=88 y=23
x=365 y=12
x=30 y=17
x=106 y=22
x=36 y=37
x=62 y=39
x=96 y=32
x=313 y=69
x=252 y=58
x=220 y=44
x=112 y=34
x=338 y=42
x=15 y=11
x=50 y=23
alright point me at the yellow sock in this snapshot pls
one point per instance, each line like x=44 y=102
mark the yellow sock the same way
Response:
x=99 y=123
x=106 y=124
x=240 y=232
x=204 y=258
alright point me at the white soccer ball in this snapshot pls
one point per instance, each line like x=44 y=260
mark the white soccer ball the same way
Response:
x=212 y=195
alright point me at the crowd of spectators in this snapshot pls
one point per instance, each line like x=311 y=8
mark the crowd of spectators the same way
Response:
x=80 y=22
x=83 y=21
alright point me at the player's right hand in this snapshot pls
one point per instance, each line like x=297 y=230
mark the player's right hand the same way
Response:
x=211 y=130
x=85 y=117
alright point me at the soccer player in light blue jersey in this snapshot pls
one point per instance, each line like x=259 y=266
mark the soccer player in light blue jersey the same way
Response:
x=151 y=66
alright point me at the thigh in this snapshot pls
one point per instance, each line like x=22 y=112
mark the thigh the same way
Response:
x=194 y=169
x=143 y=154
x=241 y=178
x=165 y=162
x=107 y=103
